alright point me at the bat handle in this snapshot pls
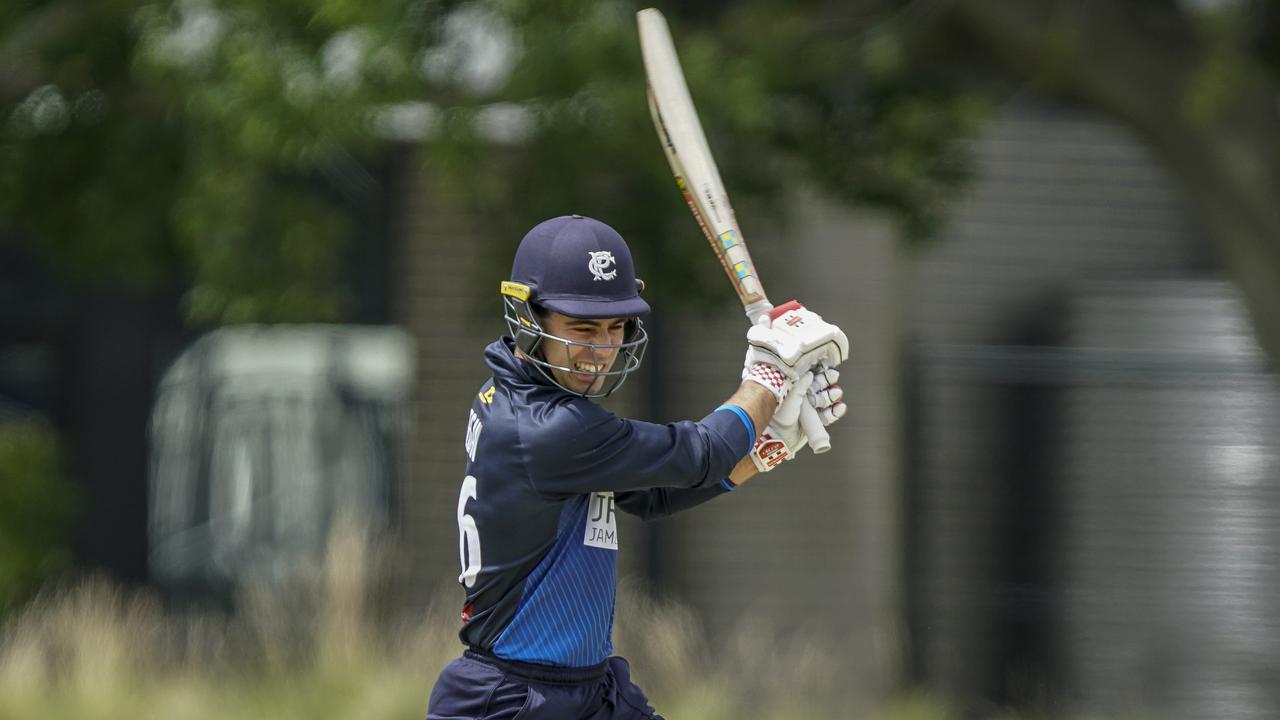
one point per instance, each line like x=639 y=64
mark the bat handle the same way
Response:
x=813 y=428
x=757 y=309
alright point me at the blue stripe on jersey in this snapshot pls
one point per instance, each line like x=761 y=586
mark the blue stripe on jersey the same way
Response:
x=565 y=617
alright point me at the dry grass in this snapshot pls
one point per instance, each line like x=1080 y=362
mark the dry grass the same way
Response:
x=319 y=650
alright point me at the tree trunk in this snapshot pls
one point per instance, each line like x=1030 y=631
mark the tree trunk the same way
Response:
x=1150 y=66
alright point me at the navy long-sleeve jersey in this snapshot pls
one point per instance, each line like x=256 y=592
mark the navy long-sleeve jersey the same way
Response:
x=537 y=536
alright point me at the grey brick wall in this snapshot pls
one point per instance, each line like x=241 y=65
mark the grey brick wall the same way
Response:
x=1061 y=197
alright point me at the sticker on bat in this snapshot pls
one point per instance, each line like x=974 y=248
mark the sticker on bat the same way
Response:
x=728 y=239
x=741 y=269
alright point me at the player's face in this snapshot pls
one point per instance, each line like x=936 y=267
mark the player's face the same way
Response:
x=608 y=331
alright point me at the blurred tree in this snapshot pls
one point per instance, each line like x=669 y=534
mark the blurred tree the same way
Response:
x=186 y=135
x=145 y=141
x=785 y=97
x=1198 y=80
x=873 y=98
x=37 y=506
x=150 y=140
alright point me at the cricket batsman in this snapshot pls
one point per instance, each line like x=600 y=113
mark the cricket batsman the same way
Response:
x=547 y=468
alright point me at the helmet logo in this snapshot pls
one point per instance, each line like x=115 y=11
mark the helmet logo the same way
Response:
x=600 y=262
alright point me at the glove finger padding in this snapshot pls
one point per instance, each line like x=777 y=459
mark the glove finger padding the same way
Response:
x=831 y=414
x=825 y=396
x=823 y=377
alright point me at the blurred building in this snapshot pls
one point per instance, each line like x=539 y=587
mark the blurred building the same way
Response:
x=89 y=355
x=262 y=439
x=1092 y=442
x=1059 y=197
x=1167 y=491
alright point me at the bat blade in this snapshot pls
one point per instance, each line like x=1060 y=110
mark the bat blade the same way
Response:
x=685 y=145
x=697 y=176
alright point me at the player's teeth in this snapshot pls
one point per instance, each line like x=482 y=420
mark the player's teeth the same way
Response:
x=588 y=367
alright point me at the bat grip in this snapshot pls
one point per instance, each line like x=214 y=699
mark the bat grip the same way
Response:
x=757 y=309
x=813 y=428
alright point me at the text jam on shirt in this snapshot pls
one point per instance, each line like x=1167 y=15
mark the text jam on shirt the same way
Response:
x=602 y=528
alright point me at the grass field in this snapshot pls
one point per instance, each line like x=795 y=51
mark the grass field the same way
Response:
x=97 y=652
x=321 y=650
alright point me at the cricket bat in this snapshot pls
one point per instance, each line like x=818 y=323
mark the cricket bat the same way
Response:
x=685 y=145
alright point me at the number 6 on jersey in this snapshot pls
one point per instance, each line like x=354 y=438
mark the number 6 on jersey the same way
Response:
x=468 y=535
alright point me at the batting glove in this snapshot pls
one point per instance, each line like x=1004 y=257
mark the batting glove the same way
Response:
x=826 y=396
x=783 y=437
x=786 y=343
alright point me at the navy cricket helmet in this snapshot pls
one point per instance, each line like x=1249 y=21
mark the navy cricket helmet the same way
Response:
x=582 y=268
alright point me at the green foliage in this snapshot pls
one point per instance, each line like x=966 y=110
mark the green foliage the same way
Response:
x=37 y=506
x=84 y=166
x=1224 y=67
x=783 y=96
x=154 y=142
x=187 y=141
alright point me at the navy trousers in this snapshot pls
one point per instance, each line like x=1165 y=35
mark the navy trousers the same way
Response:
x=478 y=686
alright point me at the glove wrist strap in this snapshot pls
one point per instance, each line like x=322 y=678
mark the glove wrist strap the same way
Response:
x=770 y=451
x=769 y=376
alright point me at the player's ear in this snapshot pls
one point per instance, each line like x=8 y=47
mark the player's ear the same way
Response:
x=632 y=330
